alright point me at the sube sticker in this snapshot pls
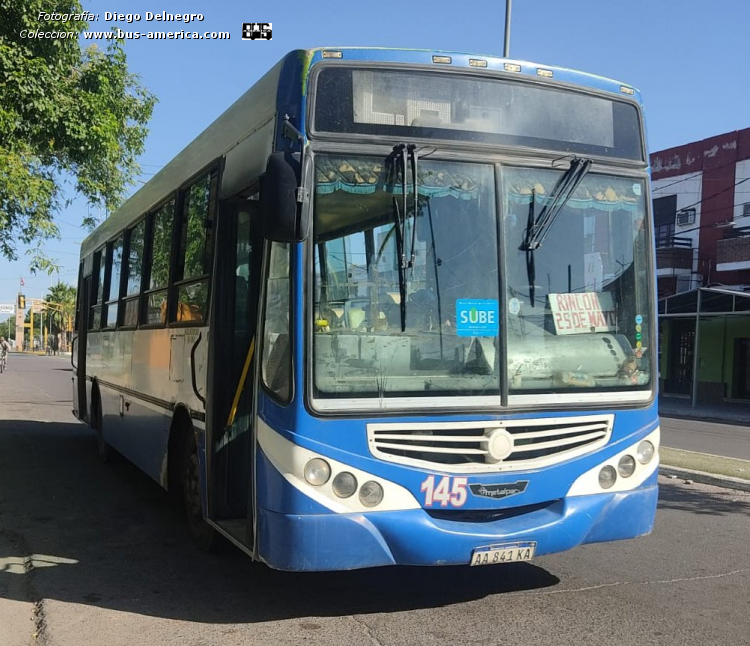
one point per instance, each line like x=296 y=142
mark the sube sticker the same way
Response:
x=477 y=317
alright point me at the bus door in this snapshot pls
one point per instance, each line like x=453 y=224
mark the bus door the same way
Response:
x=79 y=351
x=231 y=365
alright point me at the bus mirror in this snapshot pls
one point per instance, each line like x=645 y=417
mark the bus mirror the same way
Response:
x=282 y=219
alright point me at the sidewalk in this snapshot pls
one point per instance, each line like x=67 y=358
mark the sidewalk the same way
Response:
x=726 y=413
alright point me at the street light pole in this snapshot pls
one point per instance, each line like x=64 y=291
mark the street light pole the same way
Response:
x=506 y=45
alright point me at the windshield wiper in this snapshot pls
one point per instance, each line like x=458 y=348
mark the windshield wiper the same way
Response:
x=538 y=228
x=402 y=156
x=558 y=198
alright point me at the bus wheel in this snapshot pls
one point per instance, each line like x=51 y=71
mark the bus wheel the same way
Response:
x=105 y=452
x=203 y=535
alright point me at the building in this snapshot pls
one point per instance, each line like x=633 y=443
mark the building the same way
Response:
x=701 y=194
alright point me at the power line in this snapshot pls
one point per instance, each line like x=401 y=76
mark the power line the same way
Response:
x=679 y=181
x=696 y=174
x=710 y=197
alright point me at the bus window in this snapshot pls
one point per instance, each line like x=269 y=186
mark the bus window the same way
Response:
x=95 y=319
x=276 y=355
x=161 y=246
x=196 y=247
x=115 y=261
x=133 y=274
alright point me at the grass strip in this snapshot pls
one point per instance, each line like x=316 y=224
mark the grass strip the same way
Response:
x=708 y=463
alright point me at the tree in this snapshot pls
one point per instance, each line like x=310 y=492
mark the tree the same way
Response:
x=64 y=297
x=68 y=115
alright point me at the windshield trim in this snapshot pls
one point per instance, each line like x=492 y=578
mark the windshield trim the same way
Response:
x=487 y=404
x=314 y=134
x=505 y=403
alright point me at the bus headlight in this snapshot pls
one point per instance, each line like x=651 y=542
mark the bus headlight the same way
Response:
x=607 y=477
x=645 y=452
x=344 y=484
x=317 y=472
x=371 y=494
x=626 y=466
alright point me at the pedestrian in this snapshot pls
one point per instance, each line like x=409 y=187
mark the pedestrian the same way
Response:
x=4 y=349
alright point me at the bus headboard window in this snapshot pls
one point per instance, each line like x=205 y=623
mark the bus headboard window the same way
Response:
x=408 y=104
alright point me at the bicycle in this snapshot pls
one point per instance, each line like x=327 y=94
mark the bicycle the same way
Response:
x=3 y=360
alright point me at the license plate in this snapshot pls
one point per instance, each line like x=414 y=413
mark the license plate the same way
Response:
x=505 y=553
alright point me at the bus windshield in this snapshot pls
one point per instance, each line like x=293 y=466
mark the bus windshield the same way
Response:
x=407 y=291
x=361 y=234
x=578 y=310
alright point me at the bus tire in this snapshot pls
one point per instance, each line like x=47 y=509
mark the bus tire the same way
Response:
x=105 y=452
x=203 y=535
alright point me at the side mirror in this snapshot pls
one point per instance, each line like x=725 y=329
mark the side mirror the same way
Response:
x=281 y=213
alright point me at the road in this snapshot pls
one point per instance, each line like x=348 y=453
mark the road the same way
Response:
x=93 y=554
x=728 y=440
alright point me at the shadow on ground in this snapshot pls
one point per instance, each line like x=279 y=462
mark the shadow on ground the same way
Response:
x=107 y=536
x=713 y=502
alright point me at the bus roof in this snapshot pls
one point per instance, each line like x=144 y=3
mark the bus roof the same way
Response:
x=284 y=85
x=462 y=60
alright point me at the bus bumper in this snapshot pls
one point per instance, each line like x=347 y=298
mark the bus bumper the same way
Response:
x=318 y=542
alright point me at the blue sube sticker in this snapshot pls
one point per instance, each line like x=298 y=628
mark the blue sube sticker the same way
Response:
x=477 y=317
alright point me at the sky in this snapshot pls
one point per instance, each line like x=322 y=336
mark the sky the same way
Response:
x=689 y=59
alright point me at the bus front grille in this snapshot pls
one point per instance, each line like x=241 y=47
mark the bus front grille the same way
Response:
x=492 y=445
x=487 y=515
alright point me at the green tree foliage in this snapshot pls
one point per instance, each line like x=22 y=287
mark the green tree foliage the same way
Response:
x=58 y=318
x=67 y=114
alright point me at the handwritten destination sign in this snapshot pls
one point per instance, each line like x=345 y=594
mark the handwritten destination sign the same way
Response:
x=582 y=313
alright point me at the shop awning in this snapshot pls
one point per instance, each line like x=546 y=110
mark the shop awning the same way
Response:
x=713 y=301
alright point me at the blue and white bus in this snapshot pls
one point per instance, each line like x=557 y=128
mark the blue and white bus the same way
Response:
x=392 y=307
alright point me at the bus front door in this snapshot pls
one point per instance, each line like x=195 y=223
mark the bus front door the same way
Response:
x=236 y=296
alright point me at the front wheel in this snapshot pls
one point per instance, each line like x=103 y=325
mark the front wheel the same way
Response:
x=204 y=536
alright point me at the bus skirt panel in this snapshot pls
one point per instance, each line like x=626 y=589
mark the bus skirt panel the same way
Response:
x=331 y=541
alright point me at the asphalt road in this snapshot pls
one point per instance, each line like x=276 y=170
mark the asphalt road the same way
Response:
x=728 y=440
x=93 y=554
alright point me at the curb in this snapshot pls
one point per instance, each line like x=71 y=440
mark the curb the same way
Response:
x=728 y=482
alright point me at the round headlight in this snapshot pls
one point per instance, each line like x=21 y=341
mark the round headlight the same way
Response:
x=645 y=452
x=626 y=466
x=607 y=477
x=344 y=484
x=317 y=472
x=371 y=494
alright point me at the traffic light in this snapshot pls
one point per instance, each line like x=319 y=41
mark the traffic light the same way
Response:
x=21 y=302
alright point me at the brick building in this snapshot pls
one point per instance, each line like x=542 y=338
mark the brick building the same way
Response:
x=701 y=194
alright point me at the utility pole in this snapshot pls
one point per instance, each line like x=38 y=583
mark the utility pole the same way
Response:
x=506 y=46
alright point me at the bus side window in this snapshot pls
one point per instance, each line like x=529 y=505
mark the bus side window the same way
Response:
x=114 y=259
x=276 y=365
x=195 y=250
x=159 y=233
x=95 y=315
x=133 y=268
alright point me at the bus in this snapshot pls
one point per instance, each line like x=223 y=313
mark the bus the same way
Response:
x=391 y=307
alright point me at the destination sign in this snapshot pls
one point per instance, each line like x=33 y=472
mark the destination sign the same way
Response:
x=582 y=313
